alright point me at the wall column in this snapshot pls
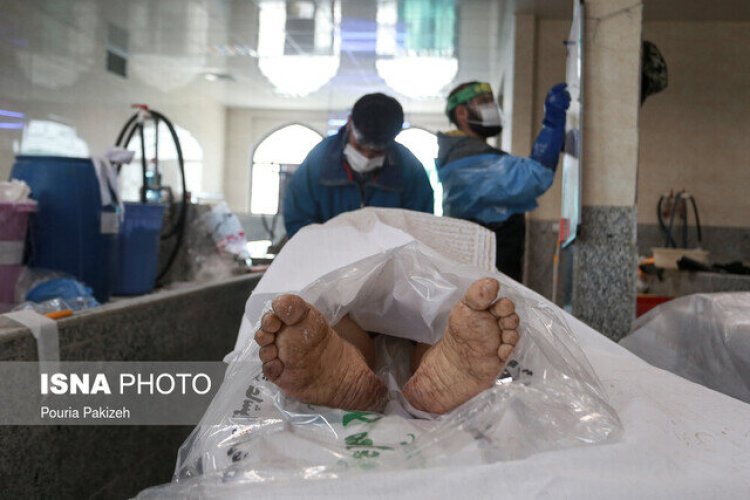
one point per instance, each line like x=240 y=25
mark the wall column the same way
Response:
x=604 y=262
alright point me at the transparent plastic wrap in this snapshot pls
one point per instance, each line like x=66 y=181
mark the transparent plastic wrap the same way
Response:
x=548 y=397
x=704 y=338
x=216 y=244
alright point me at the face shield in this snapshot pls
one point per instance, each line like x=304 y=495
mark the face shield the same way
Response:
x=365 y=143
x=485 y=117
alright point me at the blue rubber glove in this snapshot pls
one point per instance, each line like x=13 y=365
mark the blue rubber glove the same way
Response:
x=551 y=138
x=555 y=106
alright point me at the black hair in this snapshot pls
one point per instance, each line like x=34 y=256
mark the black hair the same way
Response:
x=452 y=112
x=378 y=118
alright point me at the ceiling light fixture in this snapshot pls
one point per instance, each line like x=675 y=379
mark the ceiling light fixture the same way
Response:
x=299 y=74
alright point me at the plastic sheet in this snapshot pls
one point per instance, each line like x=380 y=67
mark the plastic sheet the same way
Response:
x=46 y=291
x=704 y=338
x=549 y=397
x=216 y=244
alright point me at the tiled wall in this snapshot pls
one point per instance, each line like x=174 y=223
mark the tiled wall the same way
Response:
x=694 y=133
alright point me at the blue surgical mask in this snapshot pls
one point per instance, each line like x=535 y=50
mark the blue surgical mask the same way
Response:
x=359 y=162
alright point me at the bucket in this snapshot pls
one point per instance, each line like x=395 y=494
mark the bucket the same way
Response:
x=71 y=231
x=140 y=234
x=14 y=219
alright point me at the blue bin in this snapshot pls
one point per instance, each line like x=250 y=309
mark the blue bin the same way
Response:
x=67 y=233
x=140 y=234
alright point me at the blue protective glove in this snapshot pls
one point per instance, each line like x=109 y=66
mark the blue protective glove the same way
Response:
x=551 y=138
x=555 y=106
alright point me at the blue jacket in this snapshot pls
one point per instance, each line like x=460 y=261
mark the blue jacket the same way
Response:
x=489 y=187
x=325 y=186
x=485 y=184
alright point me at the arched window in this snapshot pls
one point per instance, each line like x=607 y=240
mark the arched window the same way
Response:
x=275 y=158
x=425 y=147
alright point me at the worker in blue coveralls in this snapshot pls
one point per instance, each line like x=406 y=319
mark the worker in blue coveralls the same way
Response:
x=361 y=166
x=488 y=186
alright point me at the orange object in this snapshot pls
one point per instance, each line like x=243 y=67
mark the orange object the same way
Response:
x=59 y=314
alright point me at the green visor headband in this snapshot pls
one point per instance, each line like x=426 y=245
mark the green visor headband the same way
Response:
x=467 y=94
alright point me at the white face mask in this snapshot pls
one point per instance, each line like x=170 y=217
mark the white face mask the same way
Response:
x=489 y=113
x=359 y=162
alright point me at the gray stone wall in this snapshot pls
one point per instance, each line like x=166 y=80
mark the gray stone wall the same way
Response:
x=604 y=270
x=603 y=267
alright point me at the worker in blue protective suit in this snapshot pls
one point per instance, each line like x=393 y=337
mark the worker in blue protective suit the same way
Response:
x=488 y=186
x=360 y=166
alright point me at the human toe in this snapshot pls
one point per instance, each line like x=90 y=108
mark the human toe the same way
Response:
x=509 y=322
x=481 y=294
x=290 y=309
x=503 y=307
x=273 y=369
x=263 y=338
x=268 y=353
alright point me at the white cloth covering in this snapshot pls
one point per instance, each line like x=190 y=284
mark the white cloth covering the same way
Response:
x=680 y=440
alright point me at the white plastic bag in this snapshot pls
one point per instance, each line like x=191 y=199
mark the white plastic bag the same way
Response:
x=704 y=338
x=252 y=433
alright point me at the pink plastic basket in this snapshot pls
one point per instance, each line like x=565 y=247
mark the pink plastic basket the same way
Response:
x=14 y=219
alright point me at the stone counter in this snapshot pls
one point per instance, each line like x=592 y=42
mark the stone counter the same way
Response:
x=191 y=323
x=675 y=283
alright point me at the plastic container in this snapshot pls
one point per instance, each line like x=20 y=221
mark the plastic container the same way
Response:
x=71 y=232
x=667 y=257
x=139 y=248
x=14 y=219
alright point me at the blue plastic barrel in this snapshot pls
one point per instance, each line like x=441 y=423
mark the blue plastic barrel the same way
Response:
x=67 y=233
x=140 y=234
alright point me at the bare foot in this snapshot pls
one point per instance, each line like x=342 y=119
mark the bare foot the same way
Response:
x=305 y=357
x=479 y=339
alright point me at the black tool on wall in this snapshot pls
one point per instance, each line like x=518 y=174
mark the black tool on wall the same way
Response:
x=674 y=205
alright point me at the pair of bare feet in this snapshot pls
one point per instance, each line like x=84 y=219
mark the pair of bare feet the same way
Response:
x=305 y=357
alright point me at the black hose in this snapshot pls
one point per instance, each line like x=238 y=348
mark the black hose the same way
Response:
x=123 y=140
x=272 y=229
x=671 y=219
x=144 y=164
x=127 y=125
x=126 y=134
x=684 y=217
x=697 y=220
x=178 y=230
x=667 y=232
